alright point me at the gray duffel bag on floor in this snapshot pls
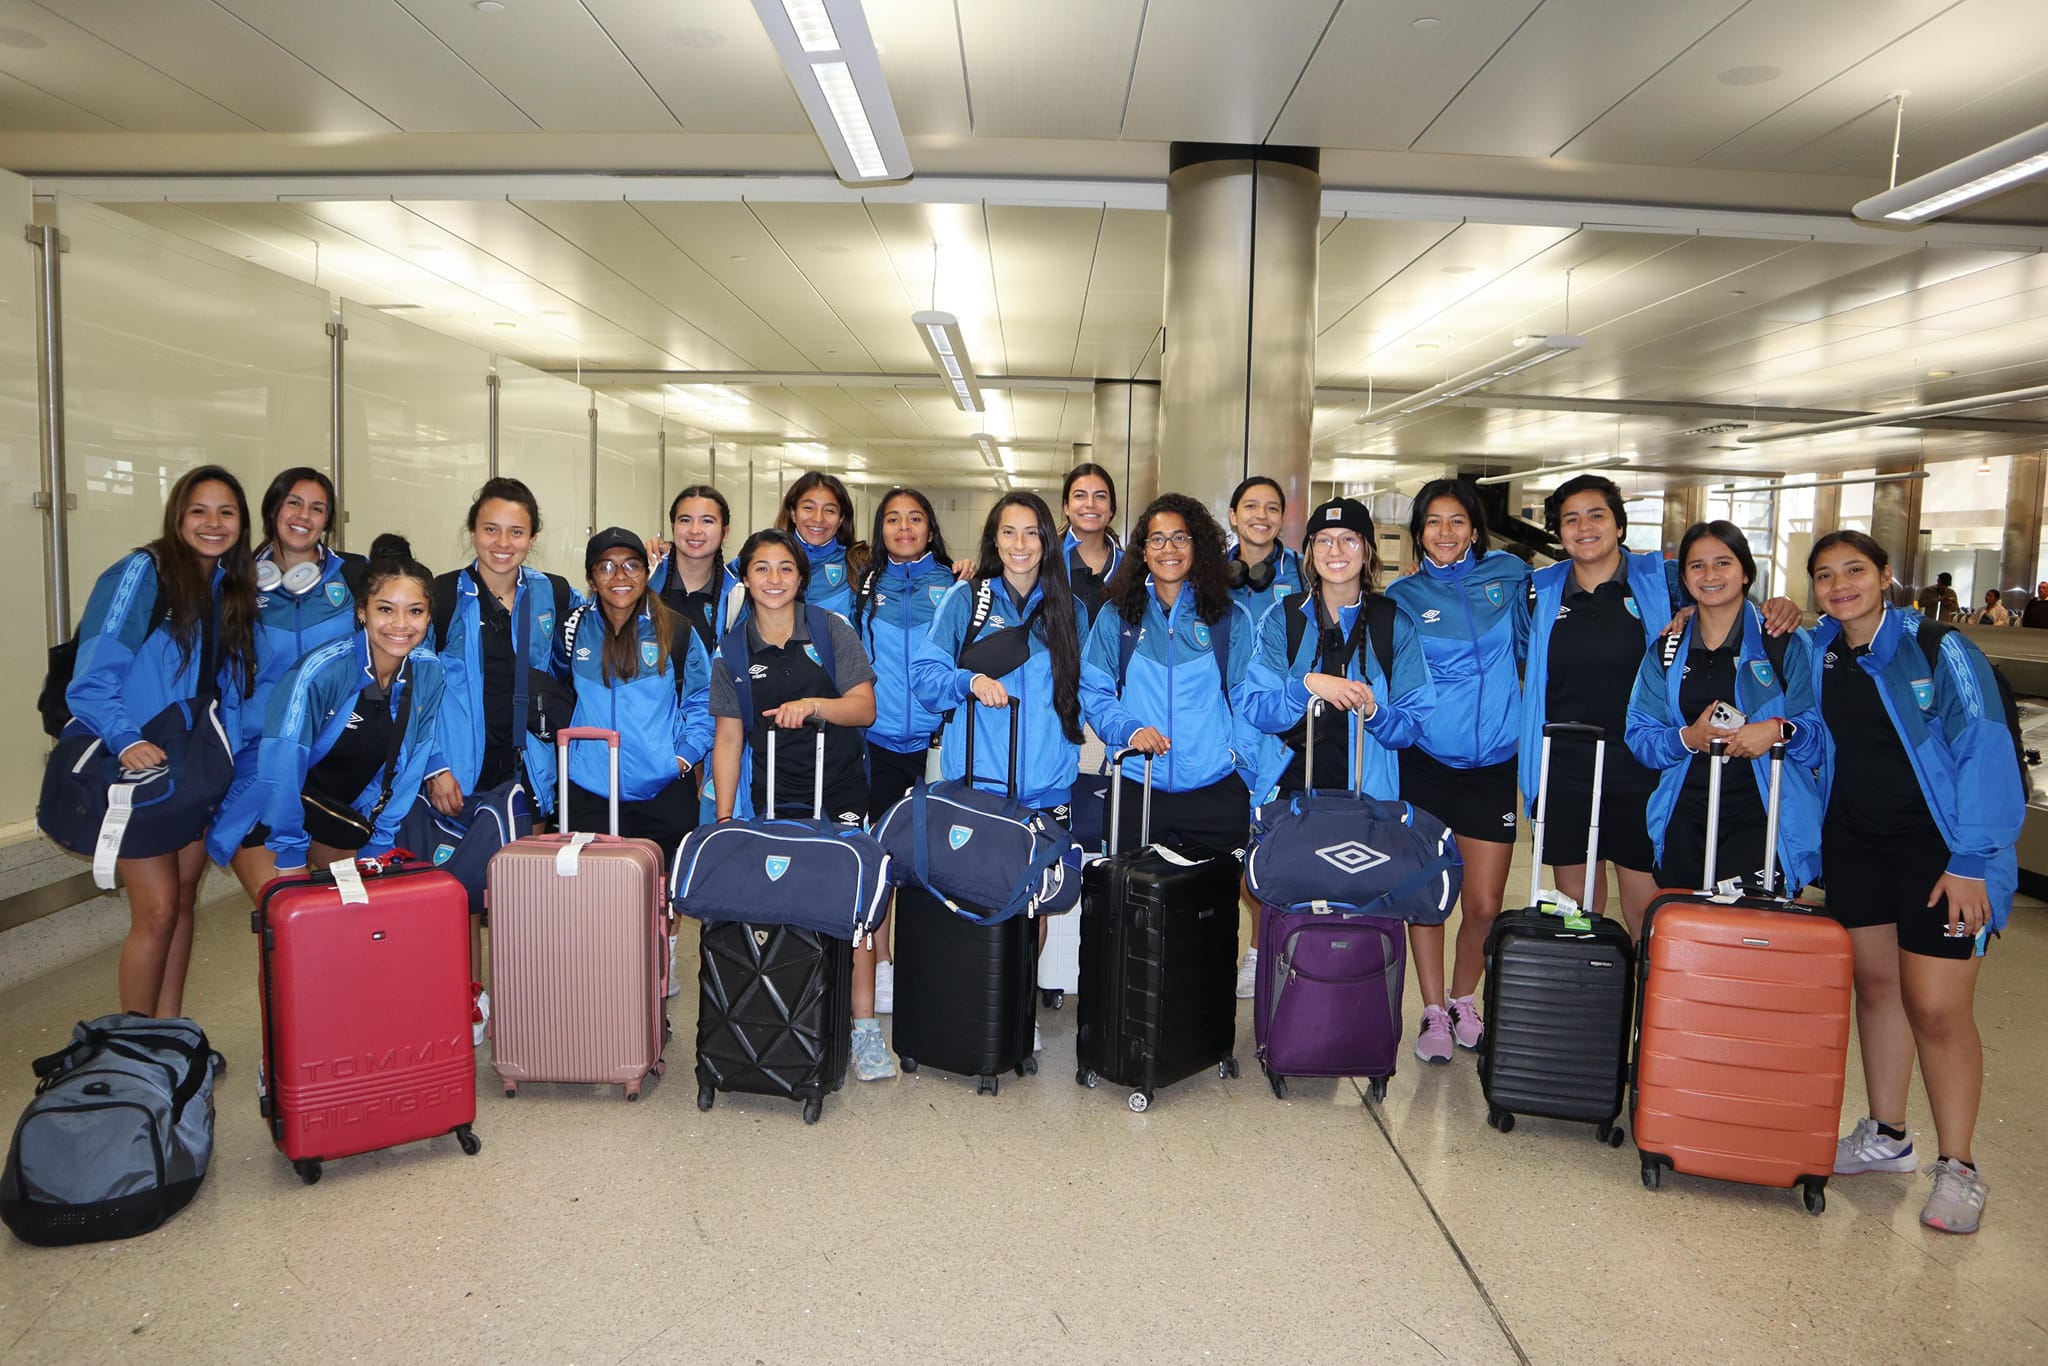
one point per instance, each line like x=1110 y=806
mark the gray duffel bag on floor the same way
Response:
x=117 y=1138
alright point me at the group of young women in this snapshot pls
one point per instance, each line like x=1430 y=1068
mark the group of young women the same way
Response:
x=357 y=688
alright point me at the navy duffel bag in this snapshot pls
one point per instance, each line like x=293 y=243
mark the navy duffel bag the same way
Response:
x=1351 y=853
x=461 y=846
x=987 y=857
x=90 y=805
x=815 y=875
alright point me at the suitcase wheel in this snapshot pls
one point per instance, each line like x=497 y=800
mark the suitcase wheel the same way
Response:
x=1500 y=1119
x=1814 y=1195
x=1083 y=1077
x=632 y=1091
x=471 y=1144
x=660 y=1067
x=1052 y=999
x=308 y=1169
x=1226 y=1069
x=907 y=1064
x=812 y=1109
x=1610 y=1134
x=986 y=1086
x=1653 y=1173
x=1028 y=1067
x=1278 y=1083
x=1140 y=1102
x=511 y=1089
x=706 y=1094
x=1376 y=1089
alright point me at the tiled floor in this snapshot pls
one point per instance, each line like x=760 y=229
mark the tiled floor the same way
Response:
x=919 y=1222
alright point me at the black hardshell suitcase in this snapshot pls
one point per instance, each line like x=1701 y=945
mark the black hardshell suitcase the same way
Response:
x=1558 y=999
x=774 y=1002
x=1158 y=962
x=966 y=993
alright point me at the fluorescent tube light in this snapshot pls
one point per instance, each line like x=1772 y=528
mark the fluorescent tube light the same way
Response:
x=1575 y=467
x=990 y=456
x=830 y=58
x=1478 y=377
x=1898 y=417
x=1816 y=483
x=1976 y=176
x=941 y=334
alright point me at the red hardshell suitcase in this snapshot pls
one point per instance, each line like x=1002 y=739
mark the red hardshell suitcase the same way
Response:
x=1742 y=1031
x=579 y=950
x=364 y=983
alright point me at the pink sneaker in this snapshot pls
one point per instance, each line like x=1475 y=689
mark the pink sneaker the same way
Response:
x=1433 y=1044
x=1467 y=1025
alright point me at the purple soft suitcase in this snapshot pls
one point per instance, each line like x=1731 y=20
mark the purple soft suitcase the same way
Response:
x=1328 y=997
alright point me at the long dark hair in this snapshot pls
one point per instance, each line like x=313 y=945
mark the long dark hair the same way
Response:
x=281 y=488
x=187 y=592
x=1074 y=476
x=857 y=551
x=936 y=544
x=1209 y=577
x=1062 y=634
x=1466 y=495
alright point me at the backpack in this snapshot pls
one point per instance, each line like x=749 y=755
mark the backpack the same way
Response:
x=1380 y=612
x=118 y=1136
x=63 y=666
x=1929 y=638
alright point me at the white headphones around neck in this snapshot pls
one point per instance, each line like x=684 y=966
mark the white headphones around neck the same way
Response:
x=298 y=581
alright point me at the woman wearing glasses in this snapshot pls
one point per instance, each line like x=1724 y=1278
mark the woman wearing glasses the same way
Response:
x=1161 y=671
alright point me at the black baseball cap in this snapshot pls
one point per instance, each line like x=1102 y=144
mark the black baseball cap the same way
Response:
x=613 y=538
x=1347 y=514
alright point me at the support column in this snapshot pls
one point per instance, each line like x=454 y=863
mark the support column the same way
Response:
x=1238 y=374
x=54 y=501
x=1682 y=508
x=337 y=407
x=1895 y=522
x=2020 y=549
x=1126 y=441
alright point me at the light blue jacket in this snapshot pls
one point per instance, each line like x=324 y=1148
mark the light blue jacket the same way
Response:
x=1653 y=582
x=1473 y=617
x=1174 y=686
x=831 y=586
x=459 y=737
x=893 y=628
x=657 y=721
x=1951 y=720
x=129 y=664
x=1655 y=719
x=1049 y=762
x=309 y=710
x=1276 y=698
x=289 y=628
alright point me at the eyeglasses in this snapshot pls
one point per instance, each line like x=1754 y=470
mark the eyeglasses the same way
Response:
x=611 y=569
x=1179 y=540
x=1336 y=542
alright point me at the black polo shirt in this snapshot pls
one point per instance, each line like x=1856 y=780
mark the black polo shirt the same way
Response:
x=1596 y=646
x=1875 y=791
x=1710 y=678
x=359 y=751
x=700 y=608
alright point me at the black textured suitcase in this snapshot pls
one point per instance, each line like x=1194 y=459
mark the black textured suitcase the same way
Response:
x=966 y=993
x=1158 y=963
x=1559 y=997
x=774 y=1013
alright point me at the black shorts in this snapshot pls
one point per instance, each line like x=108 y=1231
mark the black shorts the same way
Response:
x=1741 y=854
x=665 y=818
x=1624 y=838
x=1217 y=817
x=1477 y=803
x=1876 y=881
x=890 y=777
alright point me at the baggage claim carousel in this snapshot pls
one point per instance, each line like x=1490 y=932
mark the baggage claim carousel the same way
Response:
x=2022 y=656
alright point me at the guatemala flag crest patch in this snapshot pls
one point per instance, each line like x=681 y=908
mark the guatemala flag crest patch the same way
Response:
x=811 y=651
x=958 y=836
x=835 y=574
x=1201 y=635
x=777 y=865
x=337 y=593
x=1629 y=601
x=1762 y=669
x=547 y=623
x=1496 y=593
x=937 y=594
x=442 y=853
x=1923 y=693
x=650 y=653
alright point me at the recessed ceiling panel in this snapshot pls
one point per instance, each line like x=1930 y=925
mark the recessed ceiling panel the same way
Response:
x=1051 y=68
x=552 y=60
x=1219 y=70
x=710 y=61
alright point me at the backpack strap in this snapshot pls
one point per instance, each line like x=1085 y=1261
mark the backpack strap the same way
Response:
x=984 y=608
x=864 y=596
x=441 y=601
x=562 y=593
x=818 y=622
x=1667 y=648
x=732 y=649
x=1127 y=634
x=1774 y=651
x=1379 y=629
x=1219 y=645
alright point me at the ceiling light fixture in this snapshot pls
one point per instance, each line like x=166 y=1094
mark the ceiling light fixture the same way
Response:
x=1479 y=376
x=1817 y=483
x=831 y=61
x=1598 y=462
x=990 y=456
x=1898 y=417
x=1976 y=176
x=1984 y=465
x=941 y=334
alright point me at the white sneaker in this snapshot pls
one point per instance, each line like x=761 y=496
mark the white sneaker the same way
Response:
x=1248 y=975
x=885 y=987
x=1867 y=1150
x=1037 y=1040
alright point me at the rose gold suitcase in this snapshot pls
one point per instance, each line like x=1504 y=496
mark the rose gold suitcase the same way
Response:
x=579 y=950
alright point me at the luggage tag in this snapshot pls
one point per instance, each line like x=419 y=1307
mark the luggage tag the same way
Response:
x=348 y=880
x=1728 y=890
x=1553 y=902
x=571 y=854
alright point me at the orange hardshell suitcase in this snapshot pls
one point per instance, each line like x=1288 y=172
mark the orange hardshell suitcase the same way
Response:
x=1742 y=1034
x=579 y=950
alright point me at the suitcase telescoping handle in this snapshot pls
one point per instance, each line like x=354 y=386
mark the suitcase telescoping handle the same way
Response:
x=817 y=724
x=974 y=705
x=1355 y=770
x=1717 y=751
x=1116 y=798
x=562 y=739
x=1550 y=732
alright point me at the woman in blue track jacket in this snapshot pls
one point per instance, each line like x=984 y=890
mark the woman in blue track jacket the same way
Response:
x=1470 y=604
x=1331 y=653
x=1088 y=497
x=638 y=669
x=1720 y=656
x=898 y=597
x=692 y=579
x=1923 y=795
x=490 y=619
x=164 y=624
x=347 y=737
x=1163 y=671
x=818 y=511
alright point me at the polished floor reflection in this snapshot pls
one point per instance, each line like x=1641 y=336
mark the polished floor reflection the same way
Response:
x=921 y=1222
